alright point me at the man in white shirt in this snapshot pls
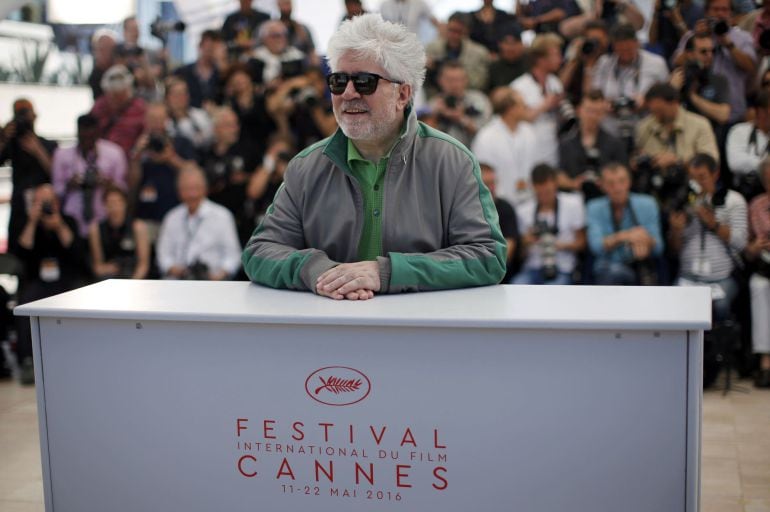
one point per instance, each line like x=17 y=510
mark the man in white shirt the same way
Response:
x=747 y=146
x=507 y=143
x=198 y=238
x=624 y=76
x=409 y=13
x=542 y=92
x=552 y=228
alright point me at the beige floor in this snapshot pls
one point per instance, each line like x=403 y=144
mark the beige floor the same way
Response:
x=736 y=451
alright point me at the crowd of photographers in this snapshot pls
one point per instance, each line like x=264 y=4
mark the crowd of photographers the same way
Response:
x=611 y=161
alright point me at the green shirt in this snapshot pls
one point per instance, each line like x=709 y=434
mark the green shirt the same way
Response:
x=370 y=177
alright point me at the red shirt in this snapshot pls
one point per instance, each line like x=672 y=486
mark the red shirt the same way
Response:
x=122 y=126
x=759 y=217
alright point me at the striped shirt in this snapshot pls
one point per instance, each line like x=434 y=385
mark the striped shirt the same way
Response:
x=701 y=245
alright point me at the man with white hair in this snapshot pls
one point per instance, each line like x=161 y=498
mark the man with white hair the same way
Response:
x=386 y=204
x=275 y=58
x=198 y=239
x=119 y=111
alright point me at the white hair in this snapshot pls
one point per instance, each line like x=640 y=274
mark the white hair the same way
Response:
x=117 y=78
x=390 y=45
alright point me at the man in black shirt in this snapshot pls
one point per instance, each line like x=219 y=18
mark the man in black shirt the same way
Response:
x=508 y=224
x=30 y=156
x=54 y=262
x=703 y=91
x=511 y=62
x=202 y=76
x=240 y=28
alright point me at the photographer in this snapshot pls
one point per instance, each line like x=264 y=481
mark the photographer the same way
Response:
x=553 y=227
x=461 y=112
x=735 y=57
x=54 y=262
x=249 y=104
x=275 y=59
x=610 y=12
x=581 y=58
x=198 y=239
x=119 y=246
x=543 y=93
x=155 y=161
x=703 y=91
x=229 y=166
x=81 y=173
x=511 y=60
x=624 y=76
x=747 y=147
x=708 y=234
x=666 y=139
x=671 y=20
x=119 y=111
x=187 y=121
x=545 y=16
x=455 y=44
x=265 y=181
x=758 y=252
x=583 y=152
x=30 y=158
x=623 y=231
x=240 y=28
x=299 y=33
x=301 y=109
x=488 y=23
x=203 y=75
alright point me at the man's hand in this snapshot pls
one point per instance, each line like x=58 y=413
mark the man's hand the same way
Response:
x=706 y=216
x=176 y=272
x=664 y=160
x=677 y=221
x=349 y=280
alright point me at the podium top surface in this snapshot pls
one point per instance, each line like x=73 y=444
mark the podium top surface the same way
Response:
x=526 y=307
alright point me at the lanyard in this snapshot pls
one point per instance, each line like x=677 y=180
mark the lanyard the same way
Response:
x=555 y=229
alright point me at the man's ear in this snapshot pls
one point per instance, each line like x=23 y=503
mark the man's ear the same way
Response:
x=404 y=96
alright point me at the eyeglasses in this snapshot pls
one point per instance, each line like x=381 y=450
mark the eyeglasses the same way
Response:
x=364 y=83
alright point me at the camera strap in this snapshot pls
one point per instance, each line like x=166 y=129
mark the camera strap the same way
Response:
x=753 y=142
x=555 y=228
x=631 y=212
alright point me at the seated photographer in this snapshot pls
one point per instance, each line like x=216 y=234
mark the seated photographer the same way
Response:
x=553 y=231
x=198 y=239
x=735 y=57
x=758 y=253
x=301 y=109
x=81 y=173
x=708 y=234
x=583 y=152
x=507 y=144
x=249 y=104
x=54 y=262
x=229 y=166
x=624 y=76
x=461 y=112
x=187 y=121
x=666 y=139
x=120 y=246
x=155 y=161
x=30 y=158
x=543 y=93
x=275 y=59
x=703 y=91
x=624 y=233
x=509 y=224
x=456 y=45
x=747 y=146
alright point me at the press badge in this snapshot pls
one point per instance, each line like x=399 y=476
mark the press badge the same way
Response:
x=148 y=194
x=49 y=270
x=701 y=267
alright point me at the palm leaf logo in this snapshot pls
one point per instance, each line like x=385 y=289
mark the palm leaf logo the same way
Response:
x=337 y=385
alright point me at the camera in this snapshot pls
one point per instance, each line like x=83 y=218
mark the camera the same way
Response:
x=198 y=271
x=589 y=47
x=695 y=76
x=719 y=27
x=764 y=40
x=670 y=185
x=292 y=68
x=23 y=122
x=157 y=143
x=567 y=116
x=306 y=95
x=547 y=241
x=161 y=28
x=47 y=208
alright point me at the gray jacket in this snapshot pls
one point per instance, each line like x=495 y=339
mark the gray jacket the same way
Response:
x=439 y=224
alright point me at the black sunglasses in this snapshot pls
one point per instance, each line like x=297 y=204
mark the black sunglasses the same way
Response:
x=364 y=83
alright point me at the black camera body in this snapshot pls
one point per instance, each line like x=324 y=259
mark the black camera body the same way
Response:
x=589 y=47
x=23 y=122
x=157 y=143
x=47 y=208
x=719 y=27
x=198 y=271
x=695 y=76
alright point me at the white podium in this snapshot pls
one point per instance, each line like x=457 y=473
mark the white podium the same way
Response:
x=199 y=396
